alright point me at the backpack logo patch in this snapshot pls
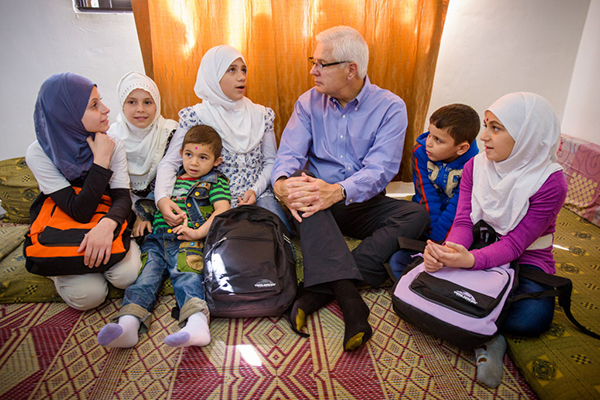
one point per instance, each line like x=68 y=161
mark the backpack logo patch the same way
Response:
x=465 y=296
x=264 y=283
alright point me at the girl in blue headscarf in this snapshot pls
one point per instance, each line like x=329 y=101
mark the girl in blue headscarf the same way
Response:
x=73 y=150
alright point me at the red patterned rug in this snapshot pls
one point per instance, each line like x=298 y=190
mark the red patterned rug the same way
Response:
x=48 y=351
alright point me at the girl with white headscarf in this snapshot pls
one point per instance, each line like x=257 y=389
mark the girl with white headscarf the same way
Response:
x=246 y=129
x=146 y=135
x=517 y=188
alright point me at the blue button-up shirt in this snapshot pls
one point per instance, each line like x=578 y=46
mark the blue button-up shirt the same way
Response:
x=359 y=146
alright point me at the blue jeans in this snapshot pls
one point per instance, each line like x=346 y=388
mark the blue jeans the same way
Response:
x=161 y=250
x=529 y=317
x=270 y=203
x=400 y=260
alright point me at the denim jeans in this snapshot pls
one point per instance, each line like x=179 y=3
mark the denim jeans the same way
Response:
x=529 y=317
x=270 y=203
x=400 y=260
x=161 y=250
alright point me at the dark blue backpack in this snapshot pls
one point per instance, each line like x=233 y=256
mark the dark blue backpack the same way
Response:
x=249 y=264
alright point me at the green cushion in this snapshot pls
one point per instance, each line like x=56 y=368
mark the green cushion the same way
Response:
x=16 y=284
x=18 y=189
x=564 y=363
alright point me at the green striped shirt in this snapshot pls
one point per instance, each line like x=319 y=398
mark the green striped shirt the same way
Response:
x=218 y=191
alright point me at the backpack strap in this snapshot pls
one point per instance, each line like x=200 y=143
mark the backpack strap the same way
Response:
x=411 y=244
x=561 y=287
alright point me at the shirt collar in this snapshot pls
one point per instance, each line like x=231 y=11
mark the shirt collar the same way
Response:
x=364 y=92
x=362 y=95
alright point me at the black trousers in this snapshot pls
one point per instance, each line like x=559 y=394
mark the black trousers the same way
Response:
x=378 y=222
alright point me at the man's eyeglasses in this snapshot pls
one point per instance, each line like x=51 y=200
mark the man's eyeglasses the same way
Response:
x=319 y=66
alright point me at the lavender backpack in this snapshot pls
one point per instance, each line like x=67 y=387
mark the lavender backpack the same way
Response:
x=463 y=307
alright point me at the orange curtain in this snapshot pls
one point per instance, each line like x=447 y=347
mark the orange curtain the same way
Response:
x=276 y=38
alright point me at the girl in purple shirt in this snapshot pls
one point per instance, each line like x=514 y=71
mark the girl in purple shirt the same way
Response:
x=518 y=189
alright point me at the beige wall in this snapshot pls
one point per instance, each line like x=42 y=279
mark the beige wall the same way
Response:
x=490 y=48
x=581 y=111
x=43 y=37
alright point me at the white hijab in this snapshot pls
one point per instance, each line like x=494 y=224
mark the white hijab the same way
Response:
x=145 y=147
x=501 y=190
x=241 y=123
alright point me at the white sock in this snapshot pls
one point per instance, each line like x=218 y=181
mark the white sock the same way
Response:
x=195 y=333
x=123 y=335
x=489 y=361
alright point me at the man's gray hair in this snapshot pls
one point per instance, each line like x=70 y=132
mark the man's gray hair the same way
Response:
x=348 y=45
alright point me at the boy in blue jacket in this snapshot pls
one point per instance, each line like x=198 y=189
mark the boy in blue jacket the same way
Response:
x=438 y=160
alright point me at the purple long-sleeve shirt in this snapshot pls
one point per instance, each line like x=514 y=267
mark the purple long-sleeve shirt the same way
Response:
x=358 y=146
x=540 y=220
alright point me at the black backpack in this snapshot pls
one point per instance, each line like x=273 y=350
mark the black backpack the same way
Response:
x=249 y=264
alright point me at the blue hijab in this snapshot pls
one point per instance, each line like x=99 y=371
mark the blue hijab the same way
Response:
x=61 y=103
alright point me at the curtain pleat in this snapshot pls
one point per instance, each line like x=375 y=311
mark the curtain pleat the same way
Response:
x=276 y=38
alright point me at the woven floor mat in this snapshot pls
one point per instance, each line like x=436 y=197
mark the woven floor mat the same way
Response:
x=50 y=351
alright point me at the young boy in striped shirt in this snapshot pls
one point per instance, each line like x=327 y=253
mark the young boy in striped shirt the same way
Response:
x=176 y=252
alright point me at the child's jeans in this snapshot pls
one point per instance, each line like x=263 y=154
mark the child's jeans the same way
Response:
x=529 y=317
x=161 y=250
x=400 y=260
x=270 y=203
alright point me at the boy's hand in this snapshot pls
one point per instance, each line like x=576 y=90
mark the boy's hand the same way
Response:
x=140 y=226
x=171 y=212
x=185 y=232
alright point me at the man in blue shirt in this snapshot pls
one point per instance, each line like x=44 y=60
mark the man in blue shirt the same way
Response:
x=341 y=147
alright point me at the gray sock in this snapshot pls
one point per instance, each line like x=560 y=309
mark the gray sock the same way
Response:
x=489 y=361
